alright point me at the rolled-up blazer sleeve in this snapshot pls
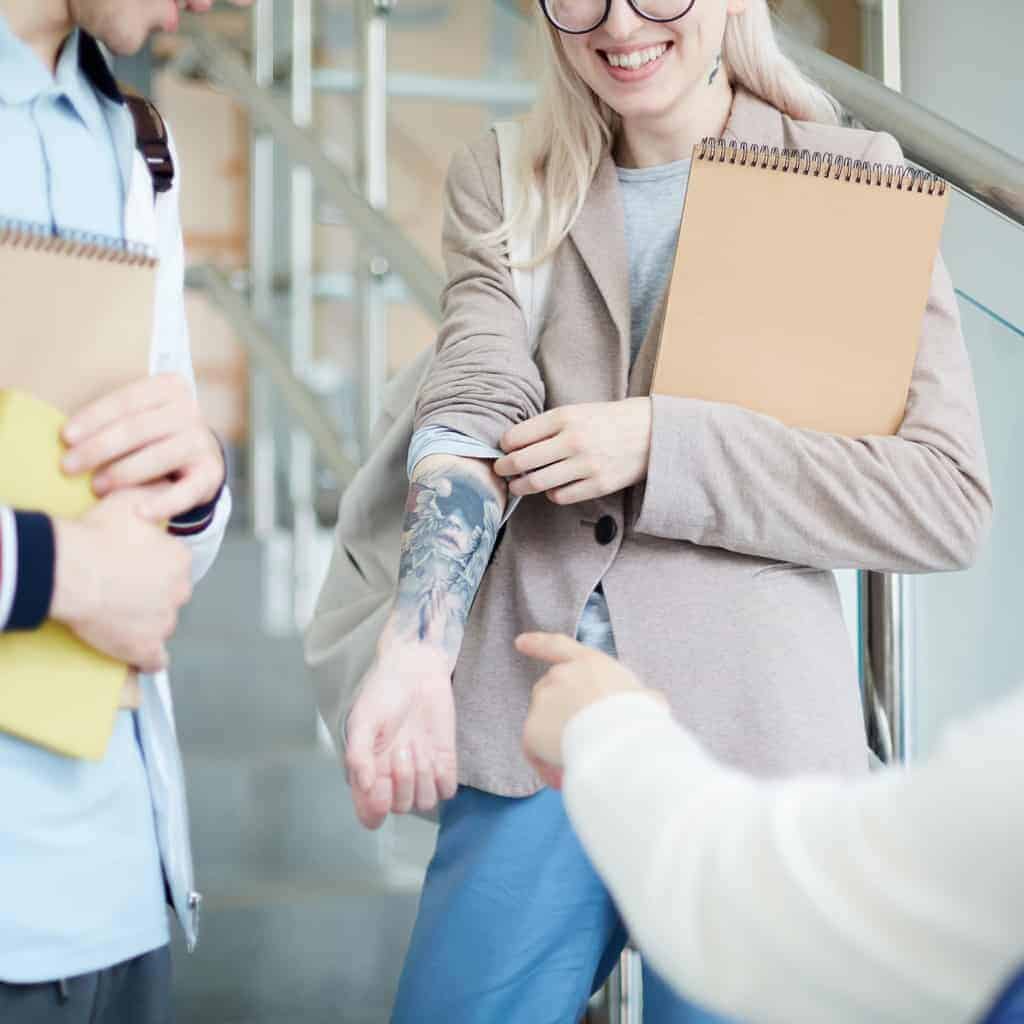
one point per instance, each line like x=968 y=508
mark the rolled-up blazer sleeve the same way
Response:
x=918 y=501
x=483 y=379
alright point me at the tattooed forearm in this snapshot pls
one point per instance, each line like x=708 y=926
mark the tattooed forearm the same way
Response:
x=451 y=522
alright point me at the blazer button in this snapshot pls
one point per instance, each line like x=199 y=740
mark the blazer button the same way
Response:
x=606 y=530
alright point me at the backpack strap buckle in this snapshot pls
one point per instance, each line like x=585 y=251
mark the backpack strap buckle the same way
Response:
x=152 y=141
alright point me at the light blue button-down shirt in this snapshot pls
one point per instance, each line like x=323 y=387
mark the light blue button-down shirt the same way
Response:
x=81 y=886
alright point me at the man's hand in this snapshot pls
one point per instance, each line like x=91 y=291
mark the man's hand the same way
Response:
x=579 y=452
x=580 y=677
x=148 y=432
x=120 y=580
x=401 y=734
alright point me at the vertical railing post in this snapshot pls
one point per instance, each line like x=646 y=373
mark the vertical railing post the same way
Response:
x=262 y=455
x=301 y=466
x=886 y=623
x=373 y=268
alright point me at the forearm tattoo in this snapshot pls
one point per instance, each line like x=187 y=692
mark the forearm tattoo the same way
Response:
x=451 y=521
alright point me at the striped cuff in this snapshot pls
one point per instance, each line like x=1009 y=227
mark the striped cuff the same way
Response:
x=35 y=562
x=199 y=518
x=8 y=564
x=196 y=520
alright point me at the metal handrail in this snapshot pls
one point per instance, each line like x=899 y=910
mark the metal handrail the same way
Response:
x=976 y=167
x=302 y=402
x=222 y=63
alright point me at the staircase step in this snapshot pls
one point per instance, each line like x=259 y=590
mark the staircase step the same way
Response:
x=242 y=699
x=306 y=954
x=288 y=814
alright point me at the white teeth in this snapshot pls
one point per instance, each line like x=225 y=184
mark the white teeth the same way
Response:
x=636 y=59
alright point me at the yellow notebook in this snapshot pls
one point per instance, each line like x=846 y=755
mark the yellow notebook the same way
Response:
x=78 y=322
x=56 y=692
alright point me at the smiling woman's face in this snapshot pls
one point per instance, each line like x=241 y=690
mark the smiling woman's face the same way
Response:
x=642 y=69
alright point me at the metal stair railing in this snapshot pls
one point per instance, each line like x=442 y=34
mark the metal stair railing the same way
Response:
x=979 y=170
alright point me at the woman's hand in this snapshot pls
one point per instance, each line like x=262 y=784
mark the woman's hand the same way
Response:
x=401 y=734
x=580 y=677
x=579 y=452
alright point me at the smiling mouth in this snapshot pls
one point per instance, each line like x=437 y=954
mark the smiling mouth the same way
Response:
x=635 y=60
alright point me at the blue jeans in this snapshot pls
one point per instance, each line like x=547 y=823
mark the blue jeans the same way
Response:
x=514 y=925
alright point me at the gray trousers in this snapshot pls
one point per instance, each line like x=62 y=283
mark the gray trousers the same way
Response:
x=136 y=991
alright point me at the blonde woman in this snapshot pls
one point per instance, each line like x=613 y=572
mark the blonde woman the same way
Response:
x=692 y=539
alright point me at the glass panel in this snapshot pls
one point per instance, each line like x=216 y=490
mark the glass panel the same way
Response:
x=965 y=65
x=965 y=634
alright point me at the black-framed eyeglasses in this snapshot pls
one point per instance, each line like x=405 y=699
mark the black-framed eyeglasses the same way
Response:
x=577 y=17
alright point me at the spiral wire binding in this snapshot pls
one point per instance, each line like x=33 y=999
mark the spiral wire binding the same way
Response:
x=821 y=165
x=19 y=234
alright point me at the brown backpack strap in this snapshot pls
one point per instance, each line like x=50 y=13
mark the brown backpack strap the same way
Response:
x=152 y=142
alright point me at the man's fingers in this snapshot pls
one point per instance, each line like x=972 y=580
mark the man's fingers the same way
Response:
x=176 y=500
x=119 y=438
x=540 y=428
x=130 y=400
x=154 y=462
x=553 y=648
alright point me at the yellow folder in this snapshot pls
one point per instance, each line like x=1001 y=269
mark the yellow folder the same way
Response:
x=55 y=691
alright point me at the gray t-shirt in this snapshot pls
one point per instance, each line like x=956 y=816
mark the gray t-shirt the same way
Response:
x=652 y=201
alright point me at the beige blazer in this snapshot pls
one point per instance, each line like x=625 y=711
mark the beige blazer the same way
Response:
x=717 y=577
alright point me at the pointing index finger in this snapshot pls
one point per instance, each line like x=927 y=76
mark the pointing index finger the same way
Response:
x=553 y=648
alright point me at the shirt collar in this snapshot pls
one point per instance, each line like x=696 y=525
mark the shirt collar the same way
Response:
x=81 y=64
x=23 y=76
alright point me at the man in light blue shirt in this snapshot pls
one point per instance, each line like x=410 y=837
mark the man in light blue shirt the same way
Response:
x=90 y=851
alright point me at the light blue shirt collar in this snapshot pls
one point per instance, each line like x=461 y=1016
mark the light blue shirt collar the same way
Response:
x=24 y=77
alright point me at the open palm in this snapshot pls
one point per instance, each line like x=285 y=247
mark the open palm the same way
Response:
x=401 y=734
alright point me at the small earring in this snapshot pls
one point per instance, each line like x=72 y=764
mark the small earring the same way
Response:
x=715 y=69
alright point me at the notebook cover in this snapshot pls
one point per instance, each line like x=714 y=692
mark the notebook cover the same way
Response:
x=799 y=297
x=78 y=318
x=57 y=692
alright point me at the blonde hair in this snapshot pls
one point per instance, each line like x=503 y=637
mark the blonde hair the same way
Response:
x=569 y=129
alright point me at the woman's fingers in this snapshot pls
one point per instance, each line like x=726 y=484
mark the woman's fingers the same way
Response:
x=426 y=784
x=403 y=775
x=540 y=428
x=575 y=492
x=559 y=475
x=544 y=453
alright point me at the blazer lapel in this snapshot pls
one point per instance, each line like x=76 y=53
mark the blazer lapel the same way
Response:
x=599 y=235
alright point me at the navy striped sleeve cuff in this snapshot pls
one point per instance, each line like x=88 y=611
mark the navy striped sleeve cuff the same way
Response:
x=36 y=563
x=199 y=518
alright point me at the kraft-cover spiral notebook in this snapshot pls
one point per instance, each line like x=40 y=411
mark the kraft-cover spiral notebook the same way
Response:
x=78 y=319
x=800 y=286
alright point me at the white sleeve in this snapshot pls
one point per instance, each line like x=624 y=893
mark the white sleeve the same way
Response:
x=896 y=898
x=171 y=351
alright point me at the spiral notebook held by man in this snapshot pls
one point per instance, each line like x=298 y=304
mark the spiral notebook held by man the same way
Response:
x=78 y=314
x=835 y=257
